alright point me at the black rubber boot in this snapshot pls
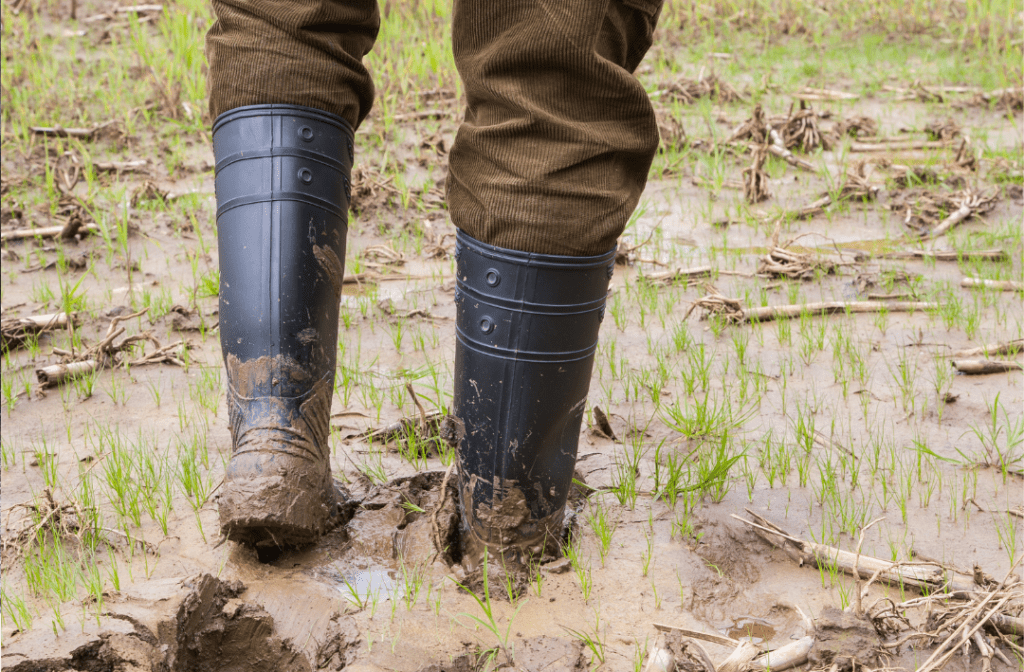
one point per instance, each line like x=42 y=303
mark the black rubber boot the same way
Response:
x=527 y=328
x=282 y=210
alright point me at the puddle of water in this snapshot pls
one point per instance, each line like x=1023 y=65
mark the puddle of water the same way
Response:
x=754 y=630
x=368 y=585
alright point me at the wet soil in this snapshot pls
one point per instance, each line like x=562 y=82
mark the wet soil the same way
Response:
x=838 y=421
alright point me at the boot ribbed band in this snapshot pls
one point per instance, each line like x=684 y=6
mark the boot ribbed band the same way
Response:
x=512 y=303
x=310 y=153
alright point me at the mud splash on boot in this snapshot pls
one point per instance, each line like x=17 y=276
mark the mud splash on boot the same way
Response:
x=278 y=490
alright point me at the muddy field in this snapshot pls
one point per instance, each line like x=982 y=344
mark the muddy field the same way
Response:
x=806 y=421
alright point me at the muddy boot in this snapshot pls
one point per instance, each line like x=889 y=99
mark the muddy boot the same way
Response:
x=282 y=207
x=527 y=327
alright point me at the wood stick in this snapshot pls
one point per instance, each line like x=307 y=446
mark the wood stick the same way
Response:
x=810 y=94
x=739 y=660
x=785 y=657
x=48 y=376
x=779 y=150
x=767 y=313
x=1004 y=285
x=1011 y=625
x=985 y=650
x=59 y=131
x=121 y=166
x=39 y=322
x=660 y=659
x=43 y=232
x=980 y=367
x=948 y=255
x=1008 y=348
x=712 y=637
x=680 y=273
x=898 y=145
x=928 y=575
x=423 y=114
x=959 y=215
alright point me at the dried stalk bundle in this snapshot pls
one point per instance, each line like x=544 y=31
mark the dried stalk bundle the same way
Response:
x=1011 y=99
x=855 y=188
x=755 y=180
x=66 y=521
x=63 y=231
x=782 y=262
x=90 y=133
x=47 y=518
x=688 y=91
x=800 y=130
x=755 y=129
x=715 y=303
x=422 y=426
x=670 y=129
x=383 y=255
x=627 y=255
x=108 y=353
x=371 y=190
x=855 y=127
x=942 y=130
x=909 y=176
x=14 y=331
x=932 y=214
x=971 y=619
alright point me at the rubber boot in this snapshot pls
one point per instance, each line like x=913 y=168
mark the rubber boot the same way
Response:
x=527 y=328
x=282 y=181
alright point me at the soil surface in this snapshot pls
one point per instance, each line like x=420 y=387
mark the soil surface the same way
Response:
x=850 y=430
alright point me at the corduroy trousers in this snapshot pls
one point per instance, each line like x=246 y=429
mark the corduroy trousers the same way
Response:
x=558 y=135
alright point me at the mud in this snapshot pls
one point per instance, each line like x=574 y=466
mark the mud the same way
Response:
x=378 y=593
x=332 y=267
x=278 y=490
x=189 y=624
x=844 y=640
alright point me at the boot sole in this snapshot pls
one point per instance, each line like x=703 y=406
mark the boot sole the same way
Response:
x=271 y=510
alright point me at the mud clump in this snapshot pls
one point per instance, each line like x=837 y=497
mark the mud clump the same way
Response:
x=843 y=639
x=193 y=624
x=410 y=518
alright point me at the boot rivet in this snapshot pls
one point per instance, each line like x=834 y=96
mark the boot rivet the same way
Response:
x=493 y=277
x=458 y=295
x=486 y=325
x=306 y=133
x=305 y=175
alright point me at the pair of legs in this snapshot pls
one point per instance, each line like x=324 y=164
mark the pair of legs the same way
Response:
x=546 y=168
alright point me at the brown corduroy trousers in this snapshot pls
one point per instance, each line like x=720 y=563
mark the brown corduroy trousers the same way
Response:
x=558 y=136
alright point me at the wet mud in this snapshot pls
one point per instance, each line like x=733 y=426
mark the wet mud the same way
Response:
x=839 y=420
x=188 y=624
